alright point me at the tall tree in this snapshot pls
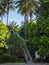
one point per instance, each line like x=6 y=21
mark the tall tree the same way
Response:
x=9 y=6
x=27 y=7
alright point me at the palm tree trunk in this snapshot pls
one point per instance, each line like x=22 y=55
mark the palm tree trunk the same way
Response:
x=7 y=13
x=26 y=17
x=30 y=16
x=7 y=18
x=26 y=20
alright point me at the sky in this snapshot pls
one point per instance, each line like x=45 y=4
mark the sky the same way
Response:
x=14 y=16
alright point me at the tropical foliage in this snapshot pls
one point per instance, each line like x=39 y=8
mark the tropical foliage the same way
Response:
x=35 y=32
x=3 y=32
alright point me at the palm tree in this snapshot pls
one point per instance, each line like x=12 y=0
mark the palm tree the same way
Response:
x=21 y=8
x=27 y=7
x=9 y=6
x=13 y=27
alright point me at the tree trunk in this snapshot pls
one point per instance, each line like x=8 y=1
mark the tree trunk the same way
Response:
x=26 y=17
x=7 y=13
x=7 y=18
x=30 y=16
x=26 y=20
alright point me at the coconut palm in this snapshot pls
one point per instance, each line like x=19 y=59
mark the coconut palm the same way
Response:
x=9 y=6
x=13 y=27
x=27 y=7
x=21 y=8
